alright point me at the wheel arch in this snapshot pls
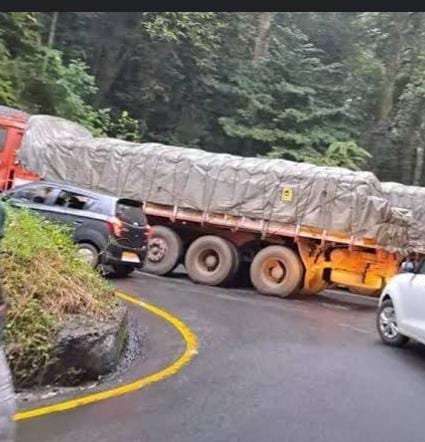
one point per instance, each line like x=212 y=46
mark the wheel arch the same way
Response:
x=386 y=297
x=92 y=237
x=88 y=241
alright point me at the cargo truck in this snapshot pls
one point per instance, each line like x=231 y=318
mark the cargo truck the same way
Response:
x=216 y=240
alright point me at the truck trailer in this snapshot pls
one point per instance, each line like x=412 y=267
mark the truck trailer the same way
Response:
x=287 y=226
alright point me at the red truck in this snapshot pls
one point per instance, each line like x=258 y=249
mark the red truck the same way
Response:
x=282 y=258
x=12 y=127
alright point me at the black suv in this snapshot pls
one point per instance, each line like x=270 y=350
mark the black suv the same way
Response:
x=109 y=231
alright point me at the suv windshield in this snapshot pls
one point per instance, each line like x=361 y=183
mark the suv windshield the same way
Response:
x=130 y=212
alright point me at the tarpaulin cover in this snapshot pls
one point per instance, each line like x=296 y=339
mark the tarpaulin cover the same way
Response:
x=334 y=199
x=413 y=199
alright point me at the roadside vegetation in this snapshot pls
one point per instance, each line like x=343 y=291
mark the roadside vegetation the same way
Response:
x=45 y=282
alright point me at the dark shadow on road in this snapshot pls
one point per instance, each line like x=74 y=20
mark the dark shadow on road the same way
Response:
x=413 y=354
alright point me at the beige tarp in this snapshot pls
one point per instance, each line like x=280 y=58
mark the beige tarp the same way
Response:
x=411 y=198
x=334 y=199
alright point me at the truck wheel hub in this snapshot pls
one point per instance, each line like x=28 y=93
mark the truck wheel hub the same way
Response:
x=157 y=249
x=274 y=271
x=209 y=260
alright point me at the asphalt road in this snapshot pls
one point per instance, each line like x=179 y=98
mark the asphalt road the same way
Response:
x=306 y=369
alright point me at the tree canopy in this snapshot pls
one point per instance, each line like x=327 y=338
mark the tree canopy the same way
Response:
x=331 y=88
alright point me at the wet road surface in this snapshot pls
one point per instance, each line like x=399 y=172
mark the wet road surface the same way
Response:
x=305 y=369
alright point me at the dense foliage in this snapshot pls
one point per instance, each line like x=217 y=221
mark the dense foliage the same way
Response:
x=330 y=88
x=44 y=280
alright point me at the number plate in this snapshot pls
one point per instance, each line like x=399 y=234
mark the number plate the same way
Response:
x=130 y=257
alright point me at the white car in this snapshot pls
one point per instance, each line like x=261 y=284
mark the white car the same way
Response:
x=401 y=312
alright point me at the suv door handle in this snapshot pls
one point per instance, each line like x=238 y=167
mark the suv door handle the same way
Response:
x=77 y=222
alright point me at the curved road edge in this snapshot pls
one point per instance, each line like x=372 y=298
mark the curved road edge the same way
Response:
x=191 y=349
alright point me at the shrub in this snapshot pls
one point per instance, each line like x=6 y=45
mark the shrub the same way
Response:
x=45 y=280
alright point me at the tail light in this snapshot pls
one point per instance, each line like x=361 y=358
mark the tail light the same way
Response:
x=148 y=231
x=115 y=226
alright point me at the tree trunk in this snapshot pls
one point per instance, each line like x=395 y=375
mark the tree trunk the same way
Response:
x=261 y=42
x=111 y=63
x=52 y=31
x=413 y=144
x=51 y=38
x=393 y=65
x=379 y=133
x=417 y=176
x=116 y=40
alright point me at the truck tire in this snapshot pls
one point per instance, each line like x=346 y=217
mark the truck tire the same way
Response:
x=276 y=270
x=212 y=260
x=165 y=249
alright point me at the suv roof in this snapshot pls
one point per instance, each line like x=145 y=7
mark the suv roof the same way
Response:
x=77 y=189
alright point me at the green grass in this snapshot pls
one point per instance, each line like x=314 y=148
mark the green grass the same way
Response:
x=44 y=280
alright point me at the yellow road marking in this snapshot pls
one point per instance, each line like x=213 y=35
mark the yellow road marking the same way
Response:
x=190 y=351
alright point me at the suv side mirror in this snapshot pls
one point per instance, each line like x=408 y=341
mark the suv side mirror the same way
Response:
x=408 y=267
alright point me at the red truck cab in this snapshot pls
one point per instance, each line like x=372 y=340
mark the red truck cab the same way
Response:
x=12 y=127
